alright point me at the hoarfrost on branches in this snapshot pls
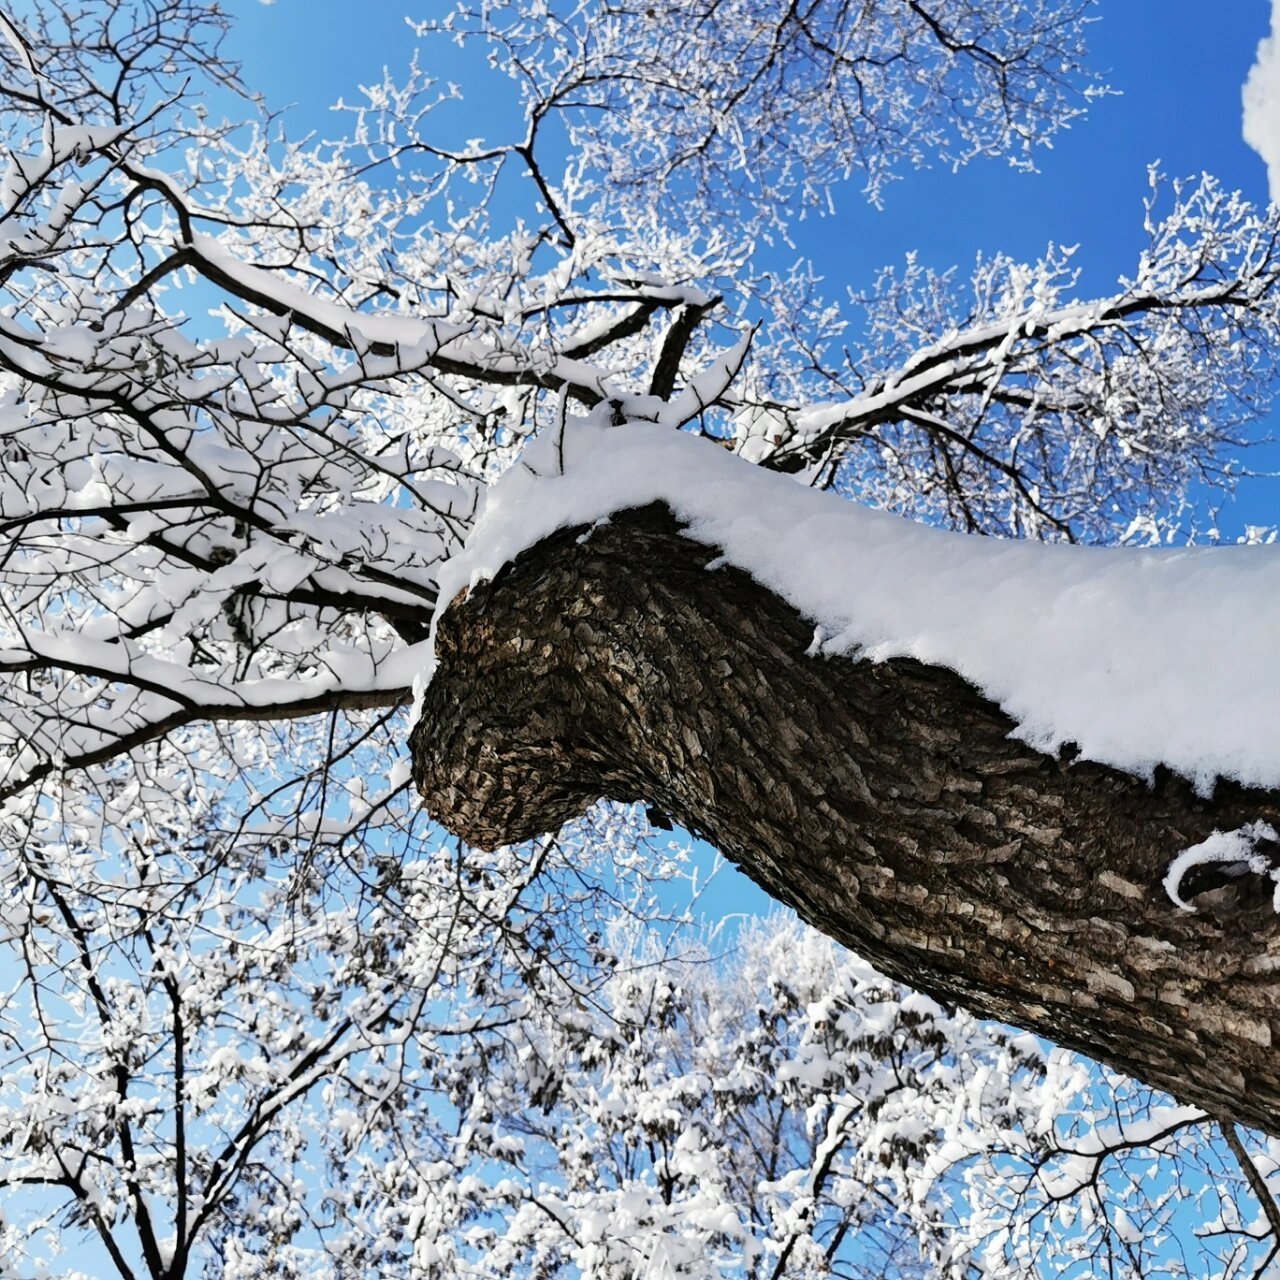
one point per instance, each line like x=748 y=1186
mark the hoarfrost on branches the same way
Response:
x=674 y=103
x=509 y=1064
x=259 y=1018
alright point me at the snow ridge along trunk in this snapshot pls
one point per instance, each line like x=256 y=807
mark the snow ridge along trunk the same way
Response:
x=885 y=802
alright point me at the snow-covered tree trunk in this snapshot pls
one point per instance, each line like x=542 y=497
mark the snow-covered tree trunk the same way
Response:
x=885 y=801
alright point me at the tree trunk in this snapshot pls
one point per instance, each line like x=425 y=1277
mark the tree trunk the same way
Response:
x=885 y=802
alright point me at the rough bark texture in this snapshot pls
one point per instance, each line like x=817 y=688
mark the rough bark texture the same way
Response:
x=885 y=802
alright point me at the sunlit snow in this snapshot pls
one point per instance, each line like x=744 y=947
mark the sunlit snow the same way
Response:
x=1139 y=657
x=1229 y=849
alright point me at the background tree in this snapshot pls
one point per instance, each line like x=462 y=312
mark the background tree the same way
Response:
x=262 y=1020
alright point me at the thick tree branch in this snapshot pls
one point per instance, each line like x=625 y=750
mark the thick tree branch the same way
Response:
x=675 y=344
x=886 y=802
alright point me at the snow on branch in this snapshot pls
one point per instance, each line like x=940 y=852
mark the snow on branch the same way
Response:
x=1134 y=658
x=1014 y=395
x=1235 y=853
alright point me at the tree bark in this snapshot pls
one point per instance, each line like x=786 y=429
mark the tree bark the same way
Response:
x=885 y=802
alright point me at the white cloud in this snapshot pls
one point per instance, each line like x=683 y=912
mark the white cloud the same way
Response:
x=1261 y=96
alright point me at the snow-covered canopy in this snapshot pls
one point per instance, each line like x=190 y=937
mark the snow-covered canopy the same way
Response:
x=253 y=391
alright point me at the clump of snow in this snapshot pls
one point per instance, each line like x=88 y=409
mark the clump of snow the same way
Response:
x=415 y=336
x=1235 y=849
x=1261 y=96
x=1138 y=657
